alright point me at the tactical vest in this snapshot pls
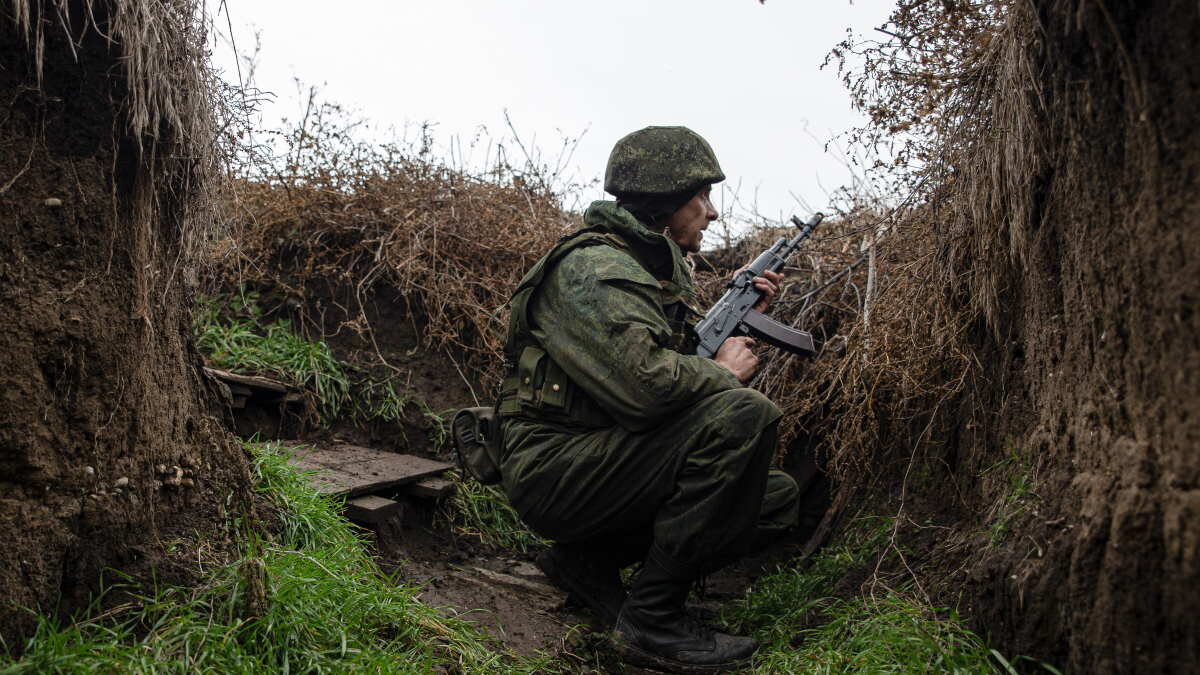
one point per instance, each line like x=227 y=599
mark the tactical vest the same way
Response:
x=536 y=387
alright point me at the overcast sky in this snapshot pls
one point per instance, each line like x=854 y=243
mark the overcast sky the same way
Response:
x=744 y=75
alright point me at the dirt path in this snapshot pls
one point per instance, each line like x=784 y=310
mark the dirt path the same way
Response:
x=508 y=597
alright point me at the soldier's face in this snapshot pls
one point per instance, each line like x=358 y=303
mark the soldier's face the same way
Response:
x=686 y=226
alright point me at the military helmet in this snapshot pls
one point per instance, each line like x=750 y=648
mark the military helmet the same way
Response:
x=660 y=161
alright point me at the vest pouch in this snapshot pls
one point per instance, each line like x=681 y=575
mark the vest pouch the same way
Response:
x=541 y=384
x=531 y=372
x=556 y=388
x=476 y=433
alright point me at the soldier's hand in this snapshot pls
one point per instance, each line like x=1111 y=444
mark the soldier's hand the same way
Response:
x=736 y=356
x=769 y=285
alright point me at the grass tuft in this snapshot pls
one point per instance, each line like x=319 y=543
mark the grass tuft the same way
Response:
x=891 y=634
x=803 y=629
x=483 y=512
x=242 y=343
x=307 y=599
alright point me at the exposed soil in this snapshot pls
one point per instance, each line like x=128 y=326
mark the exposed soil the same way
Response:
x=506 y=595
x=104 y=401
x=1056 y=501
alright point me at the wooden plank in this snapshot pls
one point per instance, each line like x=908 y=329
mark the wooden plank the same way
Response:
x=434 y=487
x=337 y=456
x=371 y=509
x=252 y=381
x=353 y=470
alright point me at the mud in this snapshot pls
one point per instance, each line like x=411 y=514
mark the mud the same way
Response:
x=507 y=596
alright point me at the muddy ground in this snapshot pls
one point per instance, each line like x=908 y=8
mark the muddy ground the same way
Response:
x=506 y=595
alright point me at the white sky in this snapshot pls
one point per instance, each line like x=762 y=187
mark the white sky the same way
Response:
x=744 y=75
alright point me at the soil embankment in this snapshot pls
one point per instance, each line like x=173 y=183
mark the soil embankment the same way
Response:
x=104 y=397
x=1037 y=439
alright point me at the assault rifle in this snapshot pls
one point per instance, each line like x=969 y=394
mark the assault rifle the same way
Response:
x=734 y=314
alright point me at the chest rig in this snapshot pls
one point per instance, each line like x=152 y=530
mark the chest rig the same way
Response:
x=535 y=386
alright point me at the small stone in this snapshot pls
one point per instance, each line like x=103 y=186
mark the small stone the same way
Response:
x=52 y=201
x=89 y=470
x=122 y=482
x=188 y=482
x=160 y=468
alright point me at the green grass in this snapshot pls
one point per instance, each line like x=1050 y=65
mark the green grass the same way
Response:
x=483 y=512
x=890 y=634
x=1018 y=499
x=438 y=424
x=802 y=629
x=377 y=400
x=307 y=600
x=230 y=333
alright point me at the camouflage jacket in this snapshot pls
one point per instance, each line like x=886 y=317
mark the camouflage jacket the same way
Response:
x=603 y=334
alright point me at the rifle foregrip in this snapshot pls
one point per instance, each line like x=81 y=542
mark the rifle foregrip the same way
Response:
x=729 y=316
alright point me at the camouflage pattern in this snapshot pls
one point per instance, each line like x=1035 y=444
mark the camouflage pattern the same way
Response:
x=612 y=427
x=660 y=161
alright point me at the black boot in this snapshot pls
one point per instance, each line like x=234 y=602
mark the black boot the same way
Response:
x=654 y=630
x=588 y=578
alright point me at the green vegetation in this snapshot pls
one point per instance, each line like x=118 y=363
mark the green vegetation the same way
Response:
x=1017 y=499
x=483 y=511
x=242 y=343
x=307 y=599
x=232 y=335
x=802 y=629
x=377 y=399
x=439 y=426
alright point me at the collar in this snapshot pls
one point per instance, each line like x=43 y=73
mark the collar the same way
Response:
x=661 y=256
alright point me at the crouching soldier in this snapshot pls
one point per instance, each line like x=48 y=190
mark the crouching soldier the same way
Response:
x=619 y=443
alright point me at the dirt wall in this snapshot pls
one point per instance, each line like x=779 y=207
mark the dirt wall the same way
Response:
x=103 y=396
x=1100 y=346
x=1052 y=493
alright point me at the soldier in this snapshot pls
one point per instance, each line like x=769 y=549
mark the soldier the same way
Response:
x=620 y=443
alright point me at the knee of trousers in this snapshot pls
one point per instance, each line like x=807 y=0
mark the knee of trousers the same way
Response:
x=781 y=502
x=740 y=413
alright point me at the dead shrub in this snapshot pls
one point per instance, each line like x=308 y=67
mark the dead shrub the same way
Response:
x=335 y=217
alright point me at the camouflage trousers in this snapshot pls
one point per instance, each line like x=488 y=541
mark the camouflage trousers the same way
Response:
x=694 y=493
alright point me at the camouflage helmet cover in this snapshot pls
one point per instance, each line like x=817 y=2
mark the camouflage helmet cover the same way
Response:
x=661 y=160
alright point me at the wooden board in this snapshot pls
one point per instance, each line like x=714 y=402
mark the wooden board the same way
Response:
x=352 y=470
x=371 y=509
x=251 y=381
x=433 y=488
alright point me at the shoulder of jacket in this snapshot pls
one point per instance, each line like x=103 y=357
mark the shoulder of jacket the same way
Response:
x=606 y=263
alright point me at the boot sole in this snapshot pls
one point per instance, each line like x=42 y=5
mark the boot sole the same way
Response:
x=636 y=656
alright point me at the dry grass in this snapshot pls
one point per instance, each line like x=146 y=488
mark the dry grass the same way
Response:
x=338 y=219
x=961 y=92
x=176 y=110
